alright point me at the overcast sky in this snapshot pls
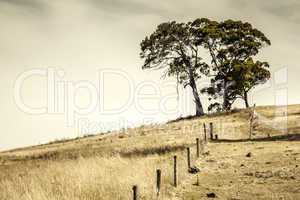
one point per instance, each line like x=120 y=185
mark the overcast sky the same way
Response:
x=78 y=39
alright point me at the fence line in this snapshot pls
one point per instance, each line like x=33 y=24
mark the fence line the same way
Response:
x=175 y=172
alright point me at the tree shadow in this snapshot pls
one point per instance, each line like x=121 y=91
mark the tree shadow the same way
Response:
x=288 y=137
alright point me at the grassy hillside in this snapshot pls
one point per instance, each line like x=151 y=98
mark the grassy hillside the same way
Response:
x=107 y=166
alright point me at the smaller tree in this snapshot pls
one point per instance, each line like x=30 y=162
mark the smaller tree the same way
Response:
x=244 y=77
x=248 y=75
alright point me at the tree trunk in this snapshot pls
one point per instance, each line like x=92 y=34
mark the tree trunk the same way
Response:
x=225 y=96
x=246 y=99
x=199 y=107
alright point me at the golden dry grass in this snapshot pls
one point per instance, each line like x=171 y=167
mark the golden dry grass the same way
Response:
x=86 y=178
x=107 y=166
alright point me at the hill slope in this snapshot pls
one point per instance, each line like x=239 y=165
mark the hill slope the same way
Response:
x=107 y=166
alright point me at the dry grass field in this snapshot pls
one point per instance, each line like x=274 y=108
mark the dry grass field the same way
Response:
x=107 y=166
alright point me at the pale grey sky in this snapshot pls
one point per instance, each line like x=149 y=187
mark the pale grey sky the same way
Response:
x=82 y=37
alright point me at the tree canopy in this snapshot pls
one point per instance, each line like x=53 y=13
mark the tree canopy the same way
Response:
x=231 y=46
x=173 y=47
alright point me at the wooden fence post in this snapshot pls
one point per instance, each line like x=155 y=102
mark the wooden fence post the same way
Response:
x=252 y=118
x=251 y=125
x=175 y=171
x=198 y=147
x=158 y=181
x=252 y=111
x=216 y=137
x=188 y=158
x=135 y=192
x=204 y=129
x=211 y=130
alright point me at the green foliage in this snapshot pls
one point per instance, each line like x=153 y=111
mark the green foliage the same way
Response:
x=250 y=73
x=172 y=47
x=232 y=46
